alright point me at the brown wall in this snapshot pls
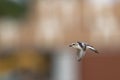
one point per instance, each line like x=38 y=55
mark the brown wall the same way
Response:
x=102 y=67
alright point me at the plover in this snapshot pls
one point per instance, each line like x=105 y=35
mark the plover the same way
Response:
x=81 y=49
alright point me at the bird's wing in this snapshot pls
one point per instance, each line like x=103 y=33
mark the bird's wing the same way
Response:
x=80 y=54
x=92 y=48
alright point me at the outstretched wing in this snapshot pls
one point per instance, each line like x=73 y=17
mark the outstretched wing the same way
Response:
x=80 y=54
x=92 y=48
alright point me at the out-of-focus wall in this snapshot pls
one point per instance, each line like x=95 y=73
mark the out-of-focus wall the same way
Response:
x=68 y=21
x=63 y=22
x=53 y=23
x=102 y=67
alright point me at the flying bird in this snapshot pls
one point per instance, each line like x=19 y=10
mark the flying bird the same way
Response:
x=81 y=48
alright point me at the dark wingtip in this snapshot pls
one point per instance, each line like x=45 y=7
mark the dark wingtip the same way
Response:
x=79 y=60
x=96 y=51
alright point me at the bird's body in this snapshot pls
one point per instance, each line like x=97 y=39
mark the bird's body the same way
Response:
x=81 y=49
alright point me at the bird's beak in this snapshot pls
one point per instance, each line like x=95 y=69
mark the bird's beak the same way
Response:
x=70 y=45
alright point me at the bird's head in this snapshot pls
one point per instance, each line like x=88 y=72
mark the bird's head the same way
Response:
x=75 y=45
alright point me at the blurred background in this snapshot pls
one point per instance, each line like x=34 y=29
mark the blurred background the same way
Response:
x=35 y=34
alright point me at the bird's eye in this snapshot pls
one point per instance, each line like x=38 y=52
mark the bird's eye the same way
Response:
x=73 y=44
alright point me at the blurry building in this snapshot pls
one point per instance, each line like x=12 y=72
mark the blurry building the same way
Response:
x=33 y=46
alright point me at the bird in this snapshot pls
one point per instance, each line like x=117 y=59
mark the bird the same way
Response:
x=81 y=48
